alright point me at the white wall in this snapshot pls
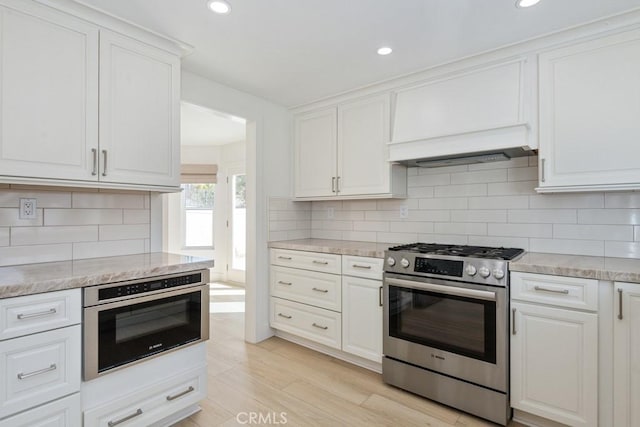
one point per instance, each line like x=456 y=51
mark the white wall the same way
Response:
x=269 y=160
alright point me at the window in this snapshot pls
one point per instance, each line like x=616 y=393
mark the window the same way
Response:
x=198 y=215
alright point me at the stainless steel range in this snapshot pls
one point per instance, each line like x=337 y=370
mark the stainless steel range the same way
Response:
x=446 y=325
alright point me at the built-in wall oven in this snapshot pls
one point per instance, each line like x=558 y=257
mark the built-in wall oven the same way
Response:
x=446 y=325
x=129 y=322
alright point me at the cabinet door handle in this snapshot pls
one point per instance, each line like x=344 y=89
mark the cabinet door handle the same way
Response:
x=337 y=184
x=94 y=170
x=52 y=367
x=555 y=291
x=284 y=315
x=125 y=419
x=315 y=325
x=175 y=396
x=333 y=184
x=280 y=282
x=104 y=158
x=288 y=258
x=380 y=296
x=38 y=314
x=620 y=316
x=364 y=267
x=513 y=321
x=324 y=291
x=542 y=169
x=320 y=262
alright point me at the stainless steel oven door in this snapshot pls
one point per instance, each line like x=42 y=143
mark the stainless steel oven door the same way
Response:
x=457 y=329
x=123 y=333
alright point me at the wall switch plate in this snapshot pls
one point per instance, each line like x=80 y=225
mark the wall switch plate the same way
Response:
x=28 y=209
x=331 y=213
x=404 y=211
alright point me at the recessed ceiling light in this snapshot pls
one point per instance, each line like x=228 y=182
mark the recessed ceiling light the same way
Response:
x=384 y=51
x=526 y=3
x=219 y=6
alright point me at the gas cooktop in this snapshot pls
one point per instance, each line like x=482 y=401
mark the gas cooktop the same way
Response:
x=506 y=254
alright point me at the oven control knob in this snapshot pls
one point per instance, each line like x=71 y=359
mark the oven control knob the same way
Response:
x=404 y=262
x=391 y=261
x=498 y=274
x=471 y=270
x=484 y=272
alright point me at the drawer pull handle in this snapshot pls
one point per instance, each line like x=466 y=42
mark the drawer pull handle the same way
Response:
x=315 y=325
x=284 y=315
x=284 y=283
x=22 y=376
x=288 y=258
x=174 y=397
x=320 y=262
x=555 y=291
x=324 y=291
x=125 y=419
x=365 y=267
x=39 y=314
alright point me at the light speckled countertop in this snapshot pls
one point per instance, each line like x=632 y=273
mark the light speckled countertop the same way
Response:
x=54 y=276
x=590 y=267
x=339 y=247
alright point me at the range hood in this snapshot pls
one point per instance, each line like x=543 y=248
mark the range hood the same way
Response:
x=470 y=158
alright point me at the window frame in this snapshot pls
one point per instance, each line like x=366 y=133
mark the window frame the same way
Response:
x=183 y=219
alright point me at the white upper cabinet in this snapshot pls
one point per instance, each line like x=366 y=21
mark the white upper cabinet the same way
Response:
x=590 y=115
x=48 y=94
x=139 y=112
x=481 y=109
x=341 y=152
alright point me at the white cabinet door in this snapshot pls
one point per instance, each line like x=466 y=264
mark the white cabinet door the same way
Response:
x=554 y=364
x=65 y=412
x=363 y=134
x=362 y=317
x=626 y=354
x=139 y=112
x=315 y=153
x=48 y=94
x=590 y=115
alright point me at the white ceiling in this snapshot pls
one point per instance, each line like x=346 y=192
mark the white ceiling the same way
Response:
x=297 y=51
x=201 y=126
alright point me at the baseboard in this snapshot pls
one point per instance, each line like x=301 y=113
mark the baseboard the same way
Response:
x=533 y=420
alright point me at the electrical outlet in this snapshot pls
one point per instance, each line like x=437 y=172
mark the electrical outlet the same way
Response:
x=404 y=212
x=331 y=213
x=28 y=208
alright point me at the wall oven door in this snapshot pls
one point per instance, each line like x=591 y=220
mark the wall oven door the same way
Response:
x=453 y=328
x=121 y=333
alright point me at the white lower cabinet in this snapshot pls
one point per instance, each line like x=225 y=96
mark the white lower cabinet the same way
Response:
x=626 y=354
x=362 y=317
x=64 y=412
x=312 y=323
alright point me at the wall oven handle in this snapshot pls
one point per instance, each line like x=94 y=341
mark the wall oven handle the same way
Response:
x=125 y=419
x=49 y=312
x=446 y=290
x=513 y=321
x=175 y=396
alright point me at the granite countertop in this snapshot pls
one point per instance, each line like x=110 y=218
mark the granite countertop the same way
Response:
x=55 y=276
x=338 y=247
x=589 y=267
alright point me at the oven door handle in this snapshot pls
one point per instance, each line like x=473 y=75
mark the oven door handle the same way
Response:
x=447 y=290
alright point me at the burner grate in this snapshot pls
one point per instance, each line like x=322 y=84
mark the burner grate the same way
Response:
x=460 y=250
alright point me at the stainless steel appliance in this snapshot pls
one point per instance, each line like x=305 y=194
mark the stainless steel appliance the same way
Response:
x=446 y=325
x=129 y=322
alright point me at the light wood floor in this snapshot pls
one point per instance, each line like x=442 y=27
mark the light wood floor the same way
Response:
x=310 y=388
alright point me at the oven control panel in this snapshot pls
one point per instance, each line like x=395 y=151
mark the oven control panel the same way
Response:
x=147 y=286
x=439 y=266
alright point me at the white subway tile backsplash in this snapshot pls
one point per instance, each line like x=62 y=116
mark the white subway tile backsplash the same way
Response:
x=275 y=236
x=499 y=202
x=429 y=216
x=337 y=225
x=622 y=200
x=371 y=226
x=84 y=250
x=465 y=190
x=411 y=227
x=396 y=204
x=572 y=247
x=593 y=232
x=397 y=237
x=383 y=215
x=359 y=205
x=429 y=180
x=444 y=169
x=507 y=242
x=479 y=215
x=298 y=234
x=326 y=234
x=136 y=216
x=9 y=217
x=21 y=236
x=523 y=174
x=360 y=236
x=124 y=232
x=513 y=188
x=420 y=192
x=493 y=175
x=452 y=239
x=543 y=216
x=108 y=201
x=44 y=199
x=468 y=228
x=288 y=215
x=82 y=216
x=622 y=249
x=4 y=236
x=11 y=255
x=609 y=216
x=444 y=203
x=521 y=230
x=567 y=201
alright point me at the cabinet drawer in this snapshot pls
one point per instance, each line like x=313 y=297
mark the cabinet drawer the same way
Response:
x=369 y=268
x=315 y=261
x=64 y=412
x=151 y=404
x=313 y=323
x=39 y=368
x=308 y=287
x=561 y=291
x=41 y=312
